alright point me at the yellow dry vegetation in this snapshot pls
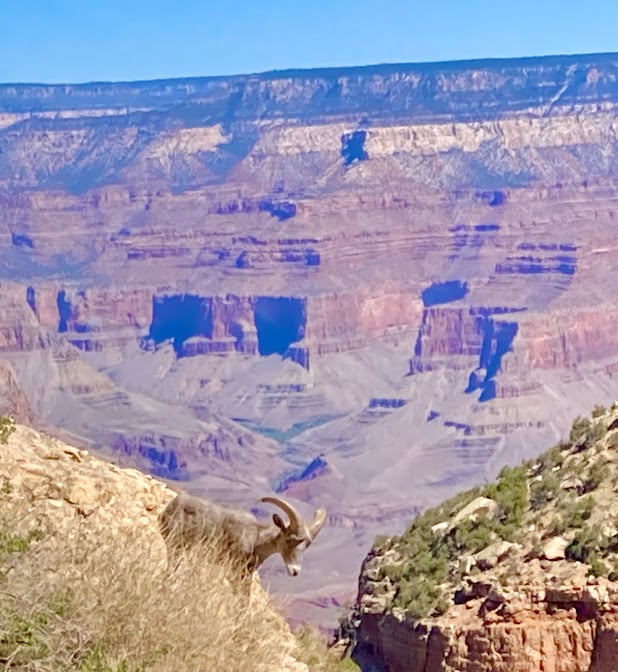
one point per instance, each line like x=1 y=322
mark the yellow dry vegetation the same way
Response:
x=105 y=603
x=85 y=587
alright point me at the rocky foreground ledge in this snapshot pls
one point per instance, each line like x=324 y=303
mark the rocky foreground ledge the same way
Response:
x=79 y=537
x=63 y=484
x=517 y=576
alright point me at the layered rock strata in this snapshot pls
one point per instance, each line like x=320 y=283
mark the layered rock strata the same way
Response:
x=322 y=257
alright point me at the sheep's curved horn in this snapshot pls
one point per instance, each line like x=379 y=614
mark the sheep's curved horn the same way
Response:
x=317 y=523
x=296 y=520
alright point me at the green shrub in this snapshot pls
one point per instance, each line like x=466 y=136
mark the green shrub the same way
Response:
x=577 y=550
x=587 y=545
x=545 y=490
x=598 y=567
x=511 y=494
x=554 y=457
x=419 y=579
x=470 y=536
x=420 y=598
x=595 y=476
x=580 y=430
x=7 y=427
x=577 y=512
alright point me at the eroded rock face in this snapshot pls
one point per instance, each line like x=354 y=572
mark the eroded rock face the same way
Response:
x=526 y=635
x=237 y=212
x=565 y=643
x=65 y=484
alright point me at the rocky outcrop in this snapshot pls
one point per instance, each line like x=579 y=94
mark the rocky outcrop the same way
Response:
x=571 y=634
x=64 y=484
x=472 y=593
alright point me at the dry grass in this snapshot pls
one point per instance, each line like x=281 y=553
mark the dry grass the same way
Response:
x=91 y=604
x=312 y=649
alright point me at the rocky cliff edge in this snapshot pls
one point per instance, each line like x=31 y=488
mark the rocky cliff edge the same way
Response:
x=83 y=584
x=518 y=575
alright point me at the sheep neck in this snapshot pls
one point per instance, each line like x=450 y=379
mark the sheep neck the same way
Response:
x=267 y=542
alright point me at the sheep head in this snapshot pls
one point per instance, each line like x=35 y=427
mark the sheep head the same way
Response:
x=295 y=536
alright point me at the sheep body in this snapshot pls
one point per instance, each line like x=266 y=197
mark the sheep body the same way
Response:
x=187 y=521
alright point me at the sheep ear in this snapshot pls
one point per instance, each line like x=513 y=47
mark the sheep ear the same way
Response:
x=278 y=522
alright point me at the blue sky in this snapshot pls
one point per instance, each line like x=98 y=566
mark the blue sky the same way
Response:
x=86 y=40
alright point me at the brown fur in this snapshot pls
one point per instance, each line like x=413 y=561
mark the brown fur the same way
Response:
x=187 y=521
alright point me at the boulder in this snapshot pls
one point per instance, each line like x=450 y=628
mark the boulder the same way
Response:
x=571 y=483
x=489 y=557
x=554 y=548
x=481 y=506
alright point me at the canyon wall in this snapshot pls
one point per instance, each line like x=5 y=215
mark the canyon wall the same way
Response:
x=199 y=273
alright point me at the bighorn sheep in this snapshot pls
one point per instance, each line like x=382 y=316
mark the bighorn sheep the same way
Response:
x=188 y=520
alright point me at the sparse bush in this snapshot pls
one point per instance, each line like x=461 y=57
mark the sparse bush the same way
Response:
x=537 y=547
x=598 y=411
x=595 y=476
x=599 y=429
x=503 y=579
x=545 y=490
x=432 y=559
x=554 y=457
x=382 y=543
x=577 y=512
x=312 y=649
x=556 y=527
x=580 y=430
x=612 y=441
x=419 y=579
x=7 y=427
x=588 y=546
x=420 y=598
x=584 y=432
x=577 y=550
x=470 y=536
x=598 y=567
x=511 y=493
